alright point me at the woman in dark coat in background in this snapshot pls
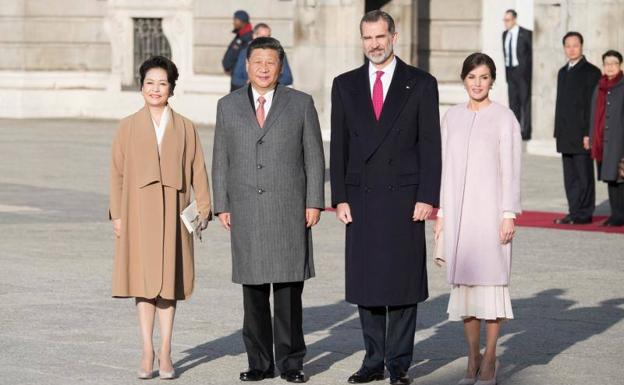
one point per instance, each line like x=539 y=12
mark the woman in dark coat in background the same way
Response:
x=607 y=133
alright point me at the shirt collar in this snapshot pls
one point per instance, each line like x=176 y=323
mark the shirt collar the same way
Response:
x=572 y=64
x=514 y=30
x=388 y=69
x=268 y=97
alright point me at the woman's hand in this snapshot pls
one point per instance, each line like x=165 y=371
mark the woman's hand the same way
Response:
x=507 y=231
x=117 y=227
x=437 y=228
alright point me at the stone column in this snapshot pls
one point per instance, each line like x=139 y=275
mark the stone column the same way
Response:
x=326 y=43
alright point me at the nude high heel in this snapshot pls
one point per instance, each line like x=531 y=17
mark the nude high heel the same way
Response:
x=471 y=381
x=493 y=380
x=143 y=375
x=166 y=375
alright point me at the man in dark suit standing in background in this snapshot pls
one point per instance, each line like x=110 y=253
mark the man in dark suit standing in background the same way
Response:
x=385 y=179
x=518 y=49
x=575 y=85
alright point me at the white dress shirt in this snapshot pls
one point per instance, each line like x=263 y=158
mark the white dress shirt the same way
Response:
x=268 y=100
x=160 y=128
x=573 y=63
x=386 y=78
x=512 y=35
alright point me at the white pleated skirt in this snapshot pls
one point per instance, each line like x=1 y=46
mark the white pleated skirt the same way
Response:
x=481 y=302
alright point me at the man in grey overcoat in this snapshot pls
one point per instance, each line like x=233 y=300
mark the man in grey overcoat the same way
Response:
x=268 y=179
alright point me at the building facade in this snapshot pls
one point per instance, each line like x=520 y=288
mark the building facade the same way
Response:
x=78 y=58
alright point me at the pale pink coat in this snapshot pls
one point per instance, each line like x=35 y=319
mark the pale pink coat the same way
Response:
x=482 y=153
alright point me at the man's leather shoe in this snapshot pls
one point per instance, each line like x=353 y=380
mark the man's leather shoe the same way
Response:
x=364 y=375
x=256 y=375
x=296 y=376
x=568 y=220
x=607 y=222
x=400 y=380
x=614 y=223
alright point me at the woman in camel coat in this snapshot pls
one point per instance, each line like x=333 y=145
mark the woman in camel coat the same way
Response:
x=157 y=159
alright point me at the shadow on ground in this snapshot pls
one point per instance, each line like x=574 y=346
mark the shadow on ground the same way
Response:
x=545 y=326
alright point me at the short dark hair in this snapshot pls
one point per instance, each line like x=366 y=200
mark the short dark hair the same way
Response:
x=261 y=25
x=512 y=12
x=613 y=53
x=164 y=63
x=376 y=15
x=266 y=43
x=475 y=60
x=572 y=34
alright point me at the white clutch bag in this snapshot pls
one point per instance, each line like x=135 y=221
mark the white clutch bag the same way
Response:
x=438 y=250
x=190 y=217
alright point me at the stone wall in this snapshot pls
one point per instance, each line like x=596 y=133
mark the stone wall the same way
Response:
x=47 y=35
x=213 y=26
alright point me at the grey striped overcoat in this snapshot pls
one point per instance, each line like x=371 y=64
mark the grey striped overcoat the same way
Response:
x=266 y=178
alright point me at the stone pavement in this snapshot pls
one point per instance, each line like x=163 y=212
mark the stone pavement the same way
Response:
x=60 y=326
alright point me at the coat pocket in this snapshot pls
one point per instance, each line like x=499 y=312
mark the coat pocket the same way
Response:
x=409 y=179
x=352 y=179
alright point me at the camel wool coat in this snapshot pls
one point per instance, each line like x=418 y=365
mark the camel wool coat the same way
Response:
x=148 y=191
x=482 y=154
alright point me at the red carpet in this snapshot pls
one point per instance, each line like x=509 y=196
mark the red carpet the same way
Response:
x=543 y=219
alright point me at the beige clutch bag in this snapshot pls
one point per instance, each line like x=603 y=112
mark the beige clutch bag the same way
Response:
x=438 y=250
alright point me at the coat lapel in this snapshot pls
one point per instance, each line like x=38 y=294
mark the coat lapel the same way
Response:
x=147 y=148
x=278 y=105
x=248 y=110
x=171 y=152
x=398 y=93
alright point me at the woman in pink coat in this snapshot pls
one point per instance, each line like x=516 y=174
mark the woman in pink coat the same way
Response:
x=480 y=197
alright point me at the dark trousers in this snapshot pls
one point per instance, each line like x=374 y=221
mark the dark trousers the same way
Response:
x=578 y=179
x=616 y=200
x=519 y=91
x=286 y=331
x=388 y=337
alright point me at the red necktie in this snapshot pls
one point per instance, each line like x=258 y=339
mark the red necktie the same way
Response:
x=260 y=111
x=378 y=95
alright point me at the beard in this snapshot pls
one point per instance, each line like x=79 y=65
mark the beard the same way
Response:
x=377 y=57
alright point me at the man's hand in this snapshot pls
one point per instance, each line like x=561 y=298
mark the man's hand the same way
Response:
x=224 y=218
x=117 y=227
x=586 y=143
x=312 y=217
x=422 y=211
x=507 y=230
x=343 y=213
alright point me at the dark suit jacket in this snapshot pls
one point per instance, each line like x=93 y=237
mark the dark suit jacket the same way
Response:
x=524 y=51
x=573 y=106
x=382 y=169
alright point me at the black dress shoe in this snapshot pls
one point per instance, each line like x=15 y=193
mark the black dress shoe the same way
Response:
x=256 y=375
x=567 y=220
x=614 y=223
x=583 y=221
x=400 y=380
x=296 y=376
x=363 y=376
x=607 y=222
